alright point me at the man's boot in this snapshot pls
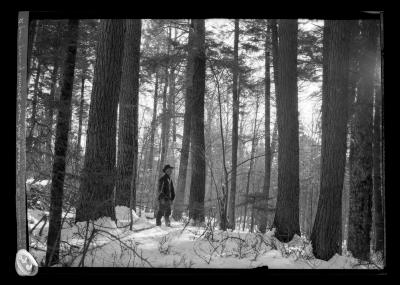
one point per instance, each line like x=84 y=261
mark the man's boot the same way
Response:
x=167 y=222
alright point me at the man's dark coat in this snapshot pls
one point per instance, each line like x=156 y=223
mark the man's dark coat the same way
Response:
x=166 y=188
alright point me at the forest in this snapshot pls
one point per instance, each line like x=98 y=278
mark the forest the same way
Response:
x=273 y=128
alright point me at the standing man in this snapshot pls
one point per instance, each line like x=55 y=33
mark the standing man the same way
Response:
x=166 y=195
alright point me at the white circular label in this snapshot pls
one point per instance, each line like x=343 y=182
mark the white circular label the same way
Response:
x=25 y=264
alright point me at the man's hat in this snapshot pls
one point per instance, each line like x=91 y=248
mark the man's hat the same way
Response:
x=166 y=167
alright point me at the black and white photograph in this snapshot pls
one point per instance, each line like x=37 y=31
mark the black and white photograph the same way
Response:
x=215 y=143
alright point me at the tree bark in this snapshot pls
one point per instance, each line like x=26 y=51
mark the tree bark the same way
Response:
x=96 y=189
x=361 y=172
x=326 y=233
x=128 y=115
x=180 y=192
x=286 y=219
x=267 y=162
x=197 y=186
x=61 y=147
x=235 y=118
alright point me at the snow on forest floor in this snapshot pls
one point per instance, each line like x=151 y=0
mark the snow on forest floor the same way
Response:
x=179 y=246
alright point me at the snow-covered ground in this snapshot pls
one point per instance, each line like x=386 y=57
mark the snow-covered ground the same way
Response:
x=182 y=245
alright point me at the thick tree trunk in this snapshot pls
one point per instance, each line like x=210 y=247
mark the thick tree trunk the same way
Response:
x=97 y=184
x=235 y=118
x=128 y=115
x=61 y=147
x=287 y=208
x=267 y=162
x=361 y=172
x=326 y=233
x=180 y=191
x=197 y=186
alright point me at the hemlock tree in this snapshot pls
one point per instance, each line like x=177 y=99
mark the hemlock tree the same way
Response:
x=286 y=219
x=235 y=119
x=361 y=170
x=128 y=115
x=326 y=233
x=180 y=192
x=197 y=186
x=97 y=182
x=61 y=146
x=166 y=117
x=267 y=122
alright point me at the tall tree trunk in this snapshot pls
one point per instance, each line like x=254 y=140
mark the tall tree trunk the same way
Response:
x=149 y=165
x=180 y=192
x=128 y=114
x=165 y=113
x=149 y=168
x=326 y=233
x=235 y=118
x=223 y=201
x=267 y=166
x=286 y=219
x=272 y=24
x=197 y=185
x=97 y=184
x=361 y=172
x=164 y=125
x=253 y=150
x=170 y=102
x=377 y=166
x=61 y=147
